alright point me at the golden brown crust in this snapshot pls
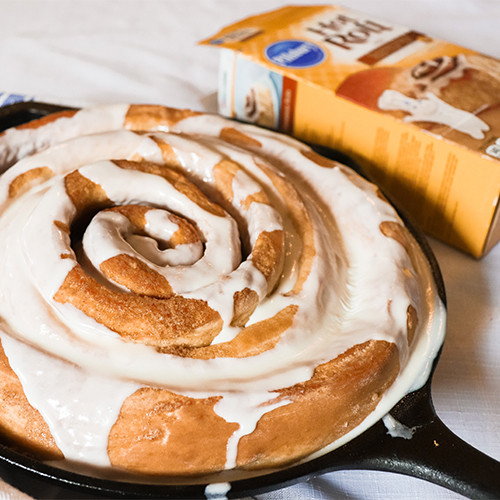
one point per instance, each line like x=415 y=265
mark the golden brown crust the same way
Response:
x=337 y=398
x=396 y=231
x=146 y=117
x=158 y=322
x=301 y=221
x=252 y=340
x=62 y=226
x=138 y=277
x=400 y=233
x=156 y=430
x=159 y=431
x=26 y=180
x=20 y=423
x=245 y=302
x=52 y=117
x=268 y=251
x=238 y=138
x=224 y=173
x=178 y=181
x=258 y=197
x=87 y=196
x=268 y=254
x=320 y=160
x=168 y=154
x=134 y=274
x=411 y=323
x=136 y=214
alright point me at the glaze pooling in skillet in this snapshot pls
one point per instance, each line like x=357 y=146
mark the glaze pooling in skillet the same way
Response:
x=295 y=299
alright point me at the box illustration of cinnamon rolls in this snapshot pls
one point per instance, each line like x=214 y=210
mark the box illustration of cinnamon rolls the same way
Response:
x=421 y=115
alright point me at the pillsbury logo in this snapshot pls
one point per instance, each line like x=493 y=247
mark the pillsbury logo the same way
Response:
x=295 y=54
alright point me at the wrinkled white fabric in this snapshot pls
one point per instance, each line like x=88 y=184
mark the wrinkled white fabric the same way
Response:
x=89 y=51
x=8 y=492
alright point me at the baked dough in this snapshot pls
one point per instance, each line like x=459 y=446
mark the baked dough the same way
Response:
x=207 y=295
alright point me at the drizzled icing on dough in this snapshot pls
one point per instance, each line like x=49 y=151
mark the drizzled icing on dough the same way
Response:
x=284 y=253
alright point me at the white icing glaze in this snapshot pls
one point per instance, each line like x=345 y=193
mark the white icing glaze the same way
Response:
x=222 y=251
x=19 y=143
x=356 y=272
x=435 y=110
x=217 y=491
x=66 y=405
x=396 y=429
x=246 y=410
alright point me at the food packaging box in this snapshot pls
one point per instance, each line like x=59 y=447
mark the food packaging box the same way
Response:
x=420 y=115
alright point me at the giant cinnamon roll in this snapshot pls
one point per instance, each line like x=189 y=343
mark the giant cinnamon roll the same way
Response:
x=181 y=294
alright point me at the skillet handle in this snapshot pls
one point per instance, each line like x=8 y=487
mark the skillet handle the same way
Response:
x=433 y=452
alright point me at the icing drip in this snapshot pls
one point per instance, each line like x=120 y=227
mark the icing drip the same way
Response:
x=217 y=491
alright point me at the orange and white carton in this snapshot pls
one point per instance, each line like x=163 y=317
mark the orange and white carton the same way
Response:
x=421 y=116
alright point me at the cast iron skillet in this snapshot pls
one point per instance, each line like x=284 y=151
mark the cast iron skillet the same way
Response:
x=434 y=453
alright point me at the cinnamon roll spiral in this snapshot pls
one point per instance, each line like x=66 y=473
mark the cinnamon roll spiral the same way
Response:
x=207 y=295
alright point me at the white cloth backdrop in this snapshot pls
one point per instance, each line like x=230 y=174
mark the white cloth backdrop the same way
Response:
x=100 y=51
